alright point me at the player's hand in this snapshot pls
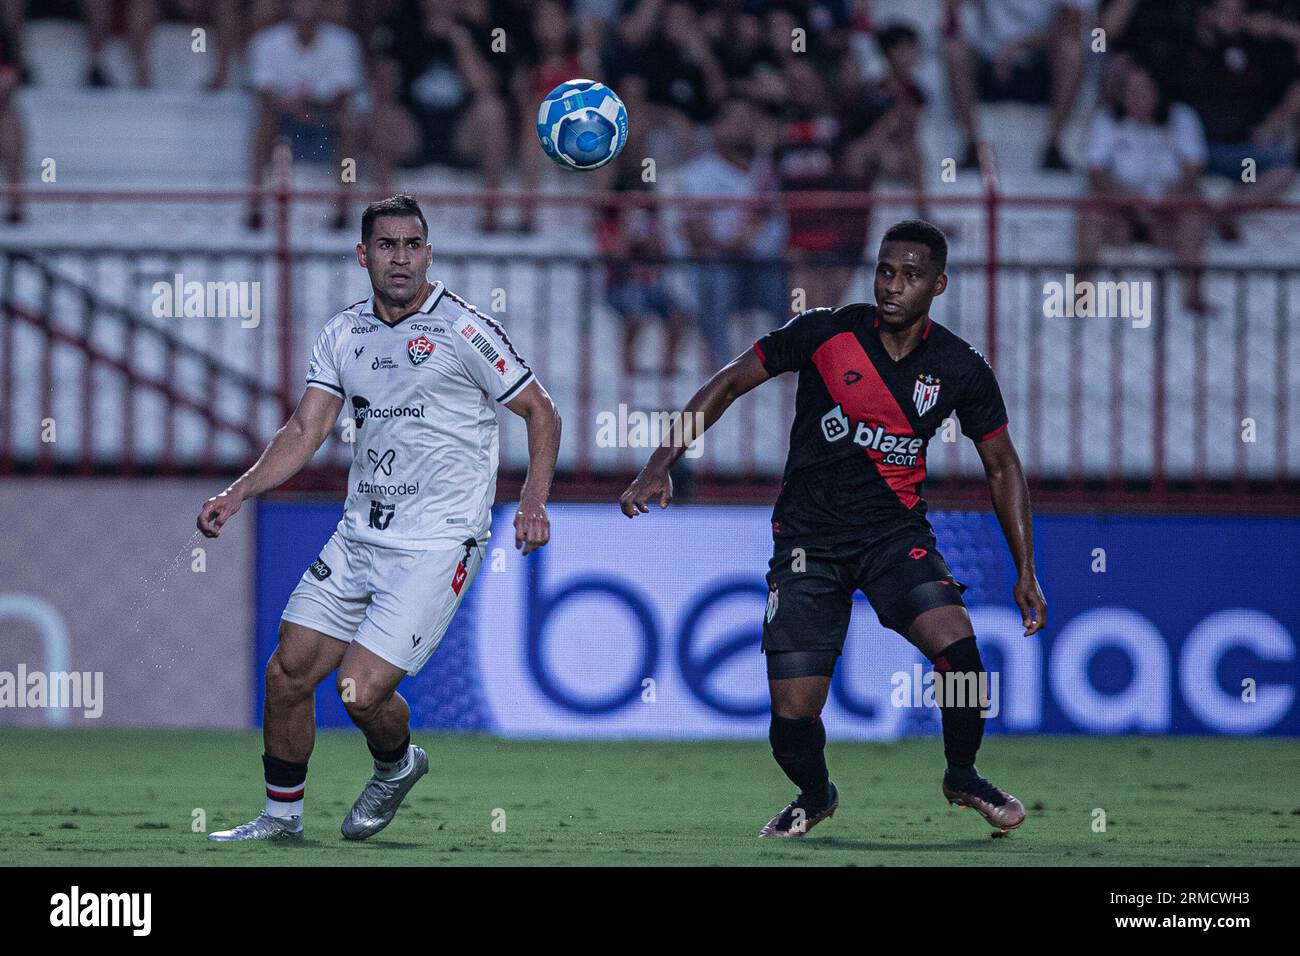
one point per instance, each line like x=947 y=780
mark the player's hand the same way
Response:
x=216 y=512
x=1029 y=597
x=532 y=526
x=649 y=484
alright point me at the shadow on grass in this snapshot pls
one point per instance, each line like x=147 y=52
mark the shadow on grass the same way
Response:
x=861 y=846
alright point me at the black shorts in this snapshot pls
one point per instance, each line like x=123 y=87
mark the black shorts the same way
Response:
x=1029 y=81
x=810 y=598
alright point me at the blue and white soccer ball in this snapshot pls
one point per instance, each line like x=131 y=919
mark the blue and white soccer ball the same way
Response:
x=582 y=124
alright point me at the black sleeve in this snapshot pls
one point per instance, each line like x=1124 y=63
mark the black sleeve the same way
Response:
x=979 y=404
x=790 y=348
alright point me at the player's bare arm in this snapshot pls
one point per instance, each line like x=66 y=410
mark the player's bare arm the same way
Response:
x=534 y=406
x=1010 y=495
x=290 y=449
x=706 y=406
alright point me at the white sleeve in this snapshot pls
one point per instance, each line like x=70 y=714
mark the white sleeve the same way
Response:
x=262 y=61
x=343 y=74
x=489 y=358
x=323 y=368
x=1101 y=140
x=1188 y=134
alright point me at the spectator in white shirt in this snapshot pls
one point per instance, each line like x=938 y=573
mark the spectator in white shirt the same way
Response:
x=305 y=72
x=1149 y=149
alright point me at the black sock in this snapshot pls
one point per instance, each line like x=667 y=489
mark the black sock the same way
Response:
x=799 y=746
x=963 y=727
x=285 y=784
x=390 y=756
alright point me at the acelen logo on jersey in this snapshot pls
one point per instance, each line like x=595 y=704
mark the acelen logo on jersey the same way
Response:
x=898 y=449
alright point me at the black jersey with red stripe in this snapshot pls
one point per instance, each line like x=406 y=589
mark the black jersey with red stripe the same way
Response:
x=863 y=422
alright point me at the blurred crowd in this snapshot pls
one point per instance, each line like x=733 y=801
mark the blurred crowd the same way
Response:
x=744 y=98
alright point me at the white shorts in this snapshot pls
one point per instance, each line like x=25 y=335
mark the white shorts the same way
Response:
x=392 y=601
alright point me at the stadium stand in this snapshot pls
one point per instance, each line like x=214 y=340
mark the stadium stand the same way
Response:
x=159 y=148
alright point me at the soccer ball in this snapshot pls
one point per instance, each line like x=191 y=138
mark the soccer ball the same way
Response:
x=582 y=124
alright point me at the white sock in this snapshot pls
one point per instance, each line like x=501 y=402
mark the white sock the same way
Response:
x=395 y=771
x=284 y=802
x=283 y=808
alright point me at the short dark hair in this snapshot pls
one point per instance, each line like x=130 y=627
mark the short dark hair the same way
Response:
x=918 y=230
x=1163 y=100
x=399 y=205
x=894 y=34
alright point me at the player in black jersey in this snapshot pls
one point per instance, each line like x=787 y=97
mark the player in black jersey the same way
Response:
x=875 y=383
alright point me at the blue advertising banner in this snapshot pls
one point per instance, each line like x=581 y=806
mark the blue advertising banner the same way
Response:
x=650 y=628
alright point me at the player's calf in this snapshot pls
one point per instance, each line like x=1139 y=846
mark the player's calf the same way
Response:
x=799 y=748
x=799 y=681
x=962 y=709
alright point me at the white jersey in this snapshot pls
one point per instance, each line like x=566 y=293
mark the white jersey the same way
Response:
x=422 y=395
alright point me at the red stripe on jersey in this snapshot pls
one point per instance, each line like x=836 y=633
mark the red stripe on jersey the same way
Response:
x=761 y=357
x=997 y=431
x=869 y=400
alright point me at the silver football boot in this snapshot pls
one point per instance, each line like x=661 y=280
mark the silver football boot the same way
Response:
x=265 y=827
x=380 y=799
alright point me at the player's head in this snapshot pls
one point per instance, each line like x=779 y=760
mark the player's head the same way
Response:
x=1142 y=99
x=909 y=271
x=733 y=128
x=306 y=15
x=900 y=45
x=394 y=248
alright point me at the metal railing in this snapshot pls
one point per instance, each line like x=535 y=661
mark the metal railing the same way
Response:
x=1182 y=411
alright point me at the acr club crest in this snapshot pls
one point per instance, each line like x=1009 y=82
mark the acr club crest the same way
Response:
x=419 y=349
x=925 y=392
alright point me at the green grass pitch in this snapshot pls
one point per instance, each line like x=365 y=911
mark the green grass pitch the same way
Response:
x=124 y=797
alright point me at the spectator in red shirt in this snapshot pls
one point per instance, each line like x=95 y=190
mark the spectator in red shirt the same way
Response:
x=824 y=245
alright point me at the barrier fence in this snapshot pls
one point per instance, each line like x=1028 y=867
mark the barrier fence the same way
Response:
x=104 y=371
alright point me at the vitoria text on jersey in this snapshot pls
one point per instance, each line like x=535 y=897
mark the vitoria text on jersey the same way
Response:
x=422 y=395
x=863 y=421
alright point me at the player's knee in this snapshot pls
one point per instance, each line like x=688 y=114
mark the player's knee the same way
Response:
x=361 y=700
x=284 y=684
x=794 y=707
x=930 y=596
x=960 y=657
x=797 y=700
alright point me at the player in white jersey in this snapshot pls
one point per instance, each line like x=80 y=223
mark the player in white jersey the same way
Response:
x=419 y=373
